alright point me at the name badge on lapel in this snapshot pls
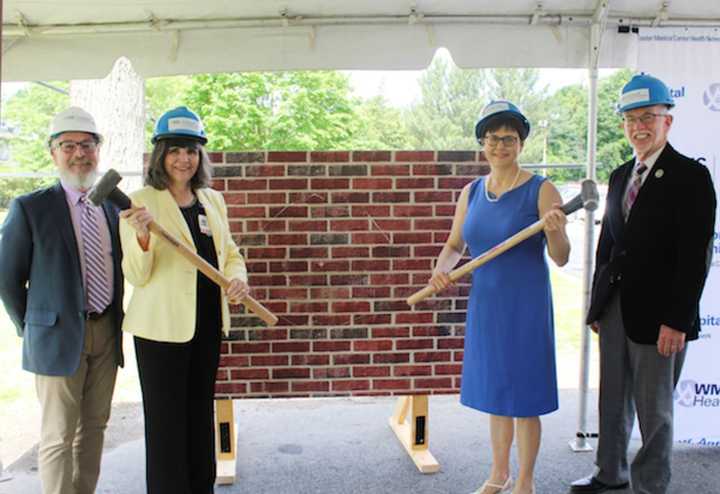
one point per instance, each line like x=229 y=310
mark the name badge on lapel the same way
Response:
x=204 y=225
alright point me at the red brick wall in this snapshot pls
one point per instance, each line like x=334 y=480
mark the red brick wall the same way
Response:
x=334 y=243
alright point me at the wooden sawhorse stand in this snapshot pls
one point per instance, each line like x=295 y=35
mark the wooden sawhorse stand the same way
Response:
x=413 y=434
x=225 y=442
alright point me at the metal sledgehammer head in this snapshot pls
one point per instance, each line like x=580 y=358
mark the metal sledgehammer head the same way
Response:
x=587 y=198
x=106 y=188
x=589 y=194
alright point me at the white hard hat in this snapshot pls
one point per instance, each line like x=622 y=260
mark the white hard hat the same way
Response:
x=74 y=119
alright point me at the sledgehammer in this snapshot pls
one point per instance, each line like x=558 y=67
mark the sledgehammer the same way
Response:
x=587 y=198
x=106 y=188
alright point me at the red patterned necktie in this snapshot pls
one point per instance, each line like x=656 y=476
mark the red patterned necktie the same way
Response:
x=637 y=180
x=98 y=296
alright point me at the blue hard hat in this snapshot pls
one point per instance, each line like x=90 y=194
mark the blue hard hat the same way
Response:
x=644 y=90
x=501 y=108
x=179 y=122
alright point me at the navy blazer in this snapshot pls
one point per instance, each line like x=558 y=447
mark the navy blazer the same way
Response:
x=660 y=257
x=41 y=281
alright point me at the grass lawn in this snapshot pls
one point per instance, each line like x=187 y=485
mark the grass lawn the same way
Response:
x=16 y=384
x=567 y=296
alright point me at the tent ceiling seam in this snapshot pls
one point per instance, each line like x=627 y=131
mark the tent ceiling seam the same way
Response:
x=23 y=28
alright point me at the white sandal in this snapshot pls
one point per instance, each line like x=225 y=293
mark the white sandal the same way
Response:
x=506 y=487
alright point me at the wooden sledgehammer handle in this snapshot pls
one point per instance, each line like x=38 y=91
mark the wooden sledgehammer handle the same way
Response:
x=106 y=189
x=478 y=261
x=587 y=198
x=209 y=270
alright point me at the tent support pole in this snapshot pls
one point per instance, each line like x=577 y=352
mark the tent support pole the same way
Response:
x=580 y=443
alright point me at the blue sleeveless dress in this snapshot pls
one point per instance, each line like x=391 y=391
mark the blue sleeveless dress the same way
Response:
x=509 y=358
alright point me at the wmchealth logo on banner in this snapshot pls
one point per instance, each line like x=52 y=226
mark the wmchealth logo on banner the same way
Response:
x=690 y=394
x=711 y=97
x=709 y=320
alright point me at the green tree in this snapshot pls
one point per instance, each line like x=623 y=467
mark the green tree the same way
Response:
x=568 y=127
x=451 y=101
x=613 y=147
x=522 y=87
x=274 y=110
x=567 y=131
x=378 y=126
x=29 y=112
x=162 y=94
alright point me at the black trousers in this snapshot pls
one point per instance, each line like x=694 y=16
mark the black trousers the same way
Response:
x=178 y=386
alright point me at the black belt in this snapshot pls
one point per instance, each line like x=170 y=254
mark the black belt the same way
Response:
x=94 y=316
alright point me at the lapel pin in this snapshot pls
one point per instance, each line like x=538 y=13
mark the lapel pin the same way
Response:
x=659 y=173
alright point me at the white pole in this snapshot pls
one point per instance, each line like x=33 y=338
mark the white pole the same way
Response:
x=580 y=443
x=3 y=477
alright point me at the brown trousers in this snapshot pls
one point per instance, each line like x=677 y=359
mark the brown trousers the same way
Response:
x=75 y=412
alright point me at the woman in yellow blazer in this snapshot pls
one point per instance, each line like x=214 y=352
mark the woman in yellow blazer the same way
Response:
x=176 y=313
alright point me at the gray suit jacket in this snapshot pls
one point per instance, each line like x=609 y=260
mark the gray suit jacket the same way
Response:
x=41 y=281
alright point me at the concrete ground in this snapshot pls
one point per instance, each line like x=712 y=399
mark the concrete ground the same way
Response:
x=344 y=445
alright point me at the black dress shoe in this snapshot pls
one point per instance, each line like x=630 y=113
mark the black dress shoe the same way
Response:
x=591 y=485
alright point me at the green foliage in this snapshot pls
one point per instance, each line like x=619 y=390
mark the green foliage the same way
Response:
x=274 y=110
x=452 y=99
x=568 y=128
x=567 y=131
x=13 y=187
x=315 y=110
x=521 y=86
x=378 y=126
x=30 y=111
x=613 y=148
x=162 y=94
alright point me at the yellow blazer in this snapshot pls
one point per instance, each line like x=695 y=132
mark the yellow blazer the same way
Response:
x=162 y=306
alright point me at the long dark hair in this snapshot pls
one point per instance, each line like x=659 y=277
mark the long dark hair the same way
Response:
x=157 y=177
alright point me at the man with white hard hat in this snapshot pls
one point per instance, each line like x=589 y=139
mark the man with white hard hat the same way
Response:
x=62 y=287
x=652 y=260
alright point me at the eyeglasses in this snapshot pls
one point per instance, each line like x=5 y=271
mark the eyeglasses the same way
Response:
x=492 y=140
x=645 y=118
x=69 y=147
x=191 y=150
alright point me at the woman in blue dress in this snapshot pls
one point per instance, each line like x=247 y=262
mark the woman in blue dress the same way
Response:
x=509 y=357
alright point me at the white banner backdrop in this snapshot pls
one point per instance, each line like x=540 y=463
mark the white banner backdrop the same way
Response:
x=687 y=60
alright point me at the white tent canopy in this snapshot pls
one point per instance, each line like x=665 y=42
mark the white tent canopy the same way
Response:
x=76 y=39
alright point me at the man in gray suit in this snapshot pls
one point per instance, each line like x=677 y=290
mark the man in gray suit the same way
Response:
x=61 y=284
x=652 y=260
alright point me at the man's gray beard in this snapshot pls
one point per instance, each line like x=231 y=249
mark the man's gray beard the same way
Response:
x=79 y=182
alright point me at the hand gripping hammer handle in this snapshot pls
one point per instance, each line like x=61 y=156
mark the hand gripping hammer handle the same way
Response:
x=587 y=198
x=106 y=188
